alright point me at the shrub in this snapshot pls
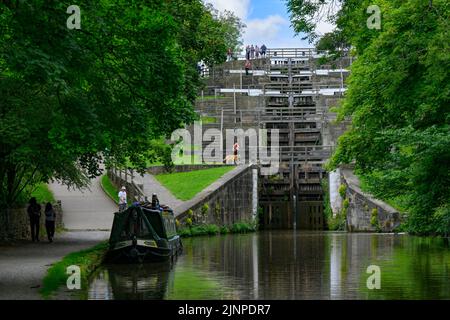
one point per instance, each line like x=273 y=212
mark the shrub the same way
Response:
x=374 y=217
x=205 y=209
x=342 y=190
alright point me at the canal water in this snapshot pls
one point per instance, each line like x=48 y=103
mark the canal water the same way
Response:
x=287 y=265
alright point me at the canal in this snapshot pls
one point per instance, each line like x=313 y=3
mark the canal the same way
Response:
x=287 y=265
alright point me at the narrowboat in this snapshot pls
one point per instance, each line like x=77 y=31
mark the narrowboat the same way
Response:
x=144 y=232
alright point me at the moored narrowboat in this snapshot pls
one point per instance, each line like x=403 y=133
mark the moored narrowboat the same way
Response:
x=144 y=232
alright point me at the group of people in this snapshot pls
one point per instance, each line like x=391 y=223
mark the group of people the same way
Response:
x=255 y=52
x=34 y=213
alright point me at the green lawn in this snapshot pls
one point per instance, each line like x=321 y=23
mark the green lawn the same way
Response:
x=43 y=194
x=109 y=189
x=206 y=120
x=185 y=185
x=211 y=97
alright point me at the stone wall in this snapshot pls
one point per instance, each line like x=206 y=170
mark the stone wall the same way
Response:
x=365 y=213
x=228 y=200
x=19 y=223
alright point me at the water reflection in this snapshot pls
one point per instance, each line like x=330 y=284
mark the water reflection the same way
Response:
x=287 y=265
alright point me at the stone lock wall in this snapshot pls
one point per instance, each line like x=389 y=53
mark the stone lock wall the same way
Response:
x=19 y=223
x=364 y=212
x=224 y=202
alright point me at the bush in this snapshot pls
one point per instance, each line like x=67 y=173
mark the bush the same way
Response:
x=342 y=190
x=374 y=217
x=205 y=209
x=442 y=220
x=212 y=229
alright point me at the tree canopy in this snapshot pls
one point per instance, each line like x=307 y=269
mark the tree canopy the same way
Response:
x=73 y=98
x=398 y=100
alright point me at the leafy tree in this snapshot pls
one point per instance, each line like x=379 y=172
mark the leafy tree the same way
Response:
x=71 y=99
x=398 y=100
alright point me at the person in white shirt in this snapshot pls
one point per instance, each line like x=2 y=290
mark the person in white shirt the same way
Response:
x=122 y=199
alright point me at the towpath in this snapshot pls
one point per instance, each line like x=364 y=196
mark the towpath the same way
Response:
x=88 y=216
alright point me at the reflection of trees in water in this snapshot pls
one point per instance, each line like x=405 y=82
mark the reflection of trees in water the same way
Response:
x=418 y=268
x=287 y=265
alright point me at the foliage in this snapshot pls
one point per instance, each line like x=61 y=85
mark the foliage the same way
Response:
x=327 y=210
x=306 y=14
x=204 y=209
x=342 y=190
x=71 y=99
x=185 y=185
x=88 y=260
x=212 y=229
x=374 y=217
x=398 y=100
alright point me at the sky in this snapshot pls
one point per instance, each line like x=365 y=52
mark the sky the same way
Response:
x=267 y=22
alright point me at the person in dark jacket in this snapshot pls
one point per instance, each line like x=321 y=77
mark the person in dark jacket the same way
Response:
x=263 y=50
x=50 y=218
x=34 y=213
x=155 y=201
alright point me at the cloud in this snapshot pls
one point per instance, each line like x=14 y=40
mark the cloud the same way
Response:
x=240 y=8
x=264 y=30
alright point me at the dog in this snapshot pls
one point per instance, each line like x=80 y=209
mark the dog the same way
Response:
x=231 y=158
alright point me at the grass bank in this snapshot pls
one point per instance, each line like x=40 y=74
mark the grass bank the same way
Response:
x=214 y=230
x=88 y=260
x=43 y=194
x=109 y=188
x=185 y=185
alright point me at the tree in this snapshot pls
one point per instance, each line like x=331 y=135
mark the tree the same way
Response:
x=306 y=14
x=71 y=99
x=398 y=100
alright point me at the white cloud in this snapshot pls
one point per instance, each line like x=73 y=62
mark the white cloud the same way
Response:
x=264 y=30
x=328 y=9
x=272 y=30
x=240 y=8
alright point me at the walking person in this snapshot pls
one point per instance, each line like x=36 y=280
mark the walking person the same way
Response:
x=257 y=52
x=122 y=199
x=247 y=52
x=252 y=52
x=34 y=213
x=50 y=218
x=263 y=50
x=247 y=66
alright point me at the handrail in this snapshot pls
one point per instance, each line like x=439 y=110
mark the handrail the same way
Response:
x=128 y=174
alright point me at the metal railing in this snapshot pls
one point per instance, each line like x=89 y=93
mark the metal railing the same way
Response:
x=127 y=177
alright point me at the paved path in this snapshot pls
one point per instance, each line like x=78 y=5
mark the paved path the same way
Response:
x=24 y=265
x=151 y=185
x=85 y=210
